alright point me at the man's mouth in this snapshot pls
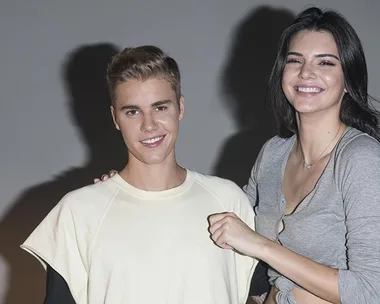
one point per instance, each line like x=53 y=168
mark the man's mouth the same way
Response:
x=153 y=142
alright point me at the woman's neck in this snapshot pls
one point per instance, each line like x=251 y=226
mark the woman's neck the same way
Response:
x=317 y=137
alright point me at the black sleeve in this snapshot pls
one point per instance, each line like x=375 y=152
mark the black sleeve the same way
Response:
x=260 y=280
x=57 y=291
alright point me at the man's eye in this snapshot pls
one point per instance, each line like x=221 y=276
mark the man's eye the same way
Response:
x=132 y=112
x=161 y=108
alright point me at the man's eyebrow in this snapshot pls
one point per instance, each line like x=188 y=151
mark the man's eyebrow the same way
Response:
x=154 y=104
x=129 y=107
x=161 y=102
x=318 y=55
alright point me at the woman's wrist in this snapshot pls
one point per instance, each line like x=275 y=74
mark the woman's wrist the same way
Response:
x=262 y=248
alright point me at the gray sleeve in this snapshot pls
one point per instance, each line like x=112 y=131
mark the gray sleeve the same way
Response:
x=251 y=188
x=359 y=183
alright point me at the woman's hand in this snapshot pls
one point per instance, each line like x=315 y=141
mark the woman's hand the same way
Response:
x=228 y=231
x=104 y=177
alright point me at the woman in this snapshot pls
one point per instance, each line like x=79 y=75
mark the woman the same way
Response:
x=316 y=185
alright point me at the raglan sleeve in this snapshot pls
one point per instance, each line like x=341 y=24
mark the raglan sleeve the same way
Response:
x=359 y=183
x=55 y=243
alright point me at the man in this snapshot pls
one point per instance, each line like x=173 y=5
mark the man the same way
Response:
x=142 y=235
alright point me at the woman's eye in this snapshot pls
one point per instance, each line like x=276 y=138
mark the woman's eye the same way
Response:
x=292 y=60
x=329 y=63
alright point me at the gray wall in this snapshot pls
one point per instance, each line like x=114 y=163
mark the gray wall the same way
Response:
x=55 y=130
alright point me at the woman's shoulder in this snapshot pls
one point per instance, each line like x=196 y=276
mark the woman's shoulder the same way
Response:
x=355 y=143
x=277 y=145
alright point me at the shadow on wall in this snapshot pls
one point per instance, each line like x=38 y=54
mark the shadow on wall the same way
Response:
x=243 y=89
x=84 y=77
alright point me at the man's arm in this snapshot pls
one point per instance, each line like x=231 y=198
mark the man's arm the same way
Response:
x=57 y=290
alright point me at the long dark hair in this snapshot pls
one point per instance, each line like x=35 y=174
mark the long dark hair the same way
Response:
x=356 y=110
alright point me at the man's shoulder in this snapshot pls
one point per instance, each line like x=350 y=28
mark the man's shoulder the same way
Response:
x=228 y=194
x=221 y=187
x=90 y=196
x=213 y=181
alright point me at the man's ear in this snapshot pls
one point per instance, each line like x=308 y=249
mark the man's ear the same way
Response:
x=181 y=107
x=114 y=118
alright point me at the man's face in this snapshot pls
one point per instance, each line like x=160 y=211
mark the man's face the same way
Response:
x=148 y=115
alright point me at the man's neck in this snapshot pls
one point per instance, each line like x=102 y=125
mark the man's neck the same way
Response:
x=153 y=177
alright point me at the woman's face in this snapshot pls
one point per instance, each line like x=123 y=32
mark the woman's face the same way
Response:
x=313 y=79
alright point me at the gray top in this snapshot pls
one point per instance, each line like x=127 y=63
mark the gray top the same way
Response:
x=337 y=224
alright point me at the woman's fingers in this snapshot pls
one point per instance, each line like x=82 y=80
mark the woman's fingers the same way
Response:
x=220 y=216
x=112 y=173
x=104 y=177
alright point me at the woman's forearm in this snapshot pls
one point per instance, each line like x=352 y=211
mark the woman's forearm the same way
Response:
x=318 y=279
